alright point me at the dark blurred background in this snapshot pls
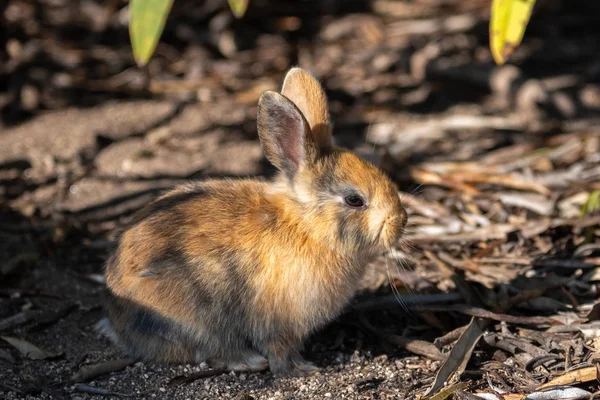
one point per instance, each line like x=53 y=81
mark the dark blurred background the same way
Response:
x=60 y=53
x=495 y=162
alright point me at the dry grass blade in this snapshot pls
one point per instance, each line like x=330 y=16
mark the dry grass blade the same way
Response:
x=459 y=356
x=89 y=372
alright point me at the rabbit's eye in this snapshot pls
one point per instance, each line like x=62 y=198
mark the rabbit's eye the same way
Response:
x=354 y=201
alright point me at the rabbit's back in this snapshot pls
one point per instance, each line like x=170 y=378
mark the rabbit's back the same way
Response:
x=175 y=273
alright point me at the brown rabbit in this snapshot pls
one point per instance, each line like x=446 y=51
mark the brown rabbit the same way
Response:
x=238 y=273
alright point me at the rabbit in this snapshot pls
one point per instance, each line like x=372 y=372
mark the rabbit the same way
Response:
x=237 y=273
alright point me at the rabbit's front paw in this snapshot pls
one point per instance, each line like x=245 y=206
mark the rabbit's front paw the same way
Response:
x=297 y=369
x=244 y=362
x=292 y=366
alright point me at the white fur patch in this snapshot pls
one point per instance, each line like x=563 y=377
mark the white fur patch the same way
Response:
x=105 y=328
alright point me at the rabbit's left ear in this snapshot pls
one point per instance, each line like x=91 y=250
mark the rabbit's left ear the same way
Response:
x=284 y=134
x=307 y=94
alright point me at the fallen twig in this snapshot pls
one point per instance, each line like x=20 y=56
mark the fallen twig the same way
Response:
x=449 y=337
x=482 y=313
x=17 y=320
x=53 y=318
x=11 y=388
x=391 y=301
x=416 y=300
x=27 y=293
x=552 y=263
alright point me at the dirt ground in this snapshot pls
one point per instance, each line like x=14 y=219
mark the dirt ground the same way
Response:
x=497 y=165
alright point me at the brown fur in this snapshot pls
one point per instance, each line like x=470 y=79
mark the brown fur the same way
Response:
x=240 y=272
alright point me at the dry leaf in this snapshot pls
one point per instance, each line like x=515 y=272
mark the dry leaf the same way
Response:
x=449 y=391
x=514 y=396
x=563 y=393
x=573 y=377
x=459 y=356
x=89 y=372
x=29 y=350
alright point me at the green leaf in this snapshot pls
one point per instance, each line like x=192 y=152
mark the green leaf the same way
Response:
x=147 y=21
x=238 y=7
x=508 y=21
x=592 y=203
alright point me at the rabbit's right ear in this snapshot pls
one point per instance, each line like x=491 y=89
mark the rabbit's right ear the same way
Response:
x=284 y=133
x=307 y=94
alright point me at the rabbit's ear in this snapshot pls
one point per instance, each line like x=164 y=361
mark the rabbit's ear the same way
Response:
x=284 y=133
x=307 y=94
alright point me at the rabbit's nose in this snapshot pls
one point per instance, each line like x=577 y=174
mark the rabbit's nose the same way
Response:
x=403 y=215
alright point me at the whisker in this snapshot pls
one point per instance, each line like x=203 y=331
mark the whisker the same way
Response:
x=405 y=243
x=401 y=265
x=411 y=230
x=414 y=191
x=395 y=291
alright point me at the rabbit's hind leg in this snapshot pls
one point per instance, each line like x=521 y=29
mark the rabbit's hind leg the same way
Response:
x=156 y=348
x=145 y=335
